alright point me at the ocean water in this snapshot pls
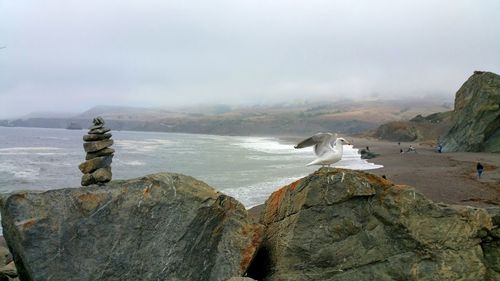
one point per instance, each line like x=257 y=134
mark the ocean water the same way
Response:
x=247 y=168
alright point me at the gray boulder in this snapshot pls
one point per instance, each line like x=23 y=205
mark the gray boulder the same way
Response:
x=99 y=176
x=99 y=131
x=159 y=227
x=97 y=137
x=93 y=164
x=476 y=117
x=346 y=225
x=7 y=267
x=8 y=271
x=94 y=146
x=103 y=152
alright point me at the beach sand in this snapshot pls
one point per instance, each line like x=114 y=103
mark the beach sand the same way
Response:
x=442 y=177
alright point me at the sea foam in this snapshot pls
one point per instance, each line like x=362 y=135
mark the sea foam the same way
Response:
x=267 y=145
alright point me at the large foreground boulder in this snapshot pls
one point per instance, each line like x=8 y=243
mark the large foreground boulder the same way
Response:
x=345 y=225
x=159 y=227
x=476 y=117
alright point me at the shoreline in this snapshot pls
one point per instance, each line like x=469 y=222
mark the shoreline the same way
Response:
x=442 y=177
x=449 y=178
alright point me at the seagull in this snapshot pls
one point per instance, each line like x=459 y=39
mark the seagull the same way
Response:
x=326 y=153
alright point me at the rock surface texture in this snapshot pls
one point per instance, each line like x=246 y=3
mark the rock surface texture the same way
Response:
x=159 y=227
x=97 y=167
x=8 y=270
x=476 y=117
x=346 y=225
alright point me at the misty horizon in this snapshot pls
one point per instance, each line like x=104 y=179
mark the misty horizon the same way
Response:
x=445 y=101
x=71 y=56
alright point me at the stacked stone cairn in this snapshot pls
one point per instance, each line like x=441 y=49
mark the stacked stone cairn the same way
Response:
x=97 y=167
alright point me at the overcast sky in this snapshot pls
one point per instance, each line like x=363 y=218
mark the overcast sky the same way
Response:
x=69 y=55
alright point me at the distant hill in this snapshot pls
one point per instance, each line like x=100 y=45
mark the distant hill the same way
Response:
x=476 y=117
x=49 y=114
x=127 y=113
x=419 y=128
x=344 y=116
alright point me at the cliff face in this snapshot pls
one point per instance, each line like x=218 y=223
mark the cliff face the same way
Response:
x=345 y=225
x=160 y=227
x=476 y=117
x=334 y=224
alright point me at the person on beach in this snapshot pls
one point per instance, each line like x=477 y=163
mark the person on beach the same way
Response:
x=480 y=169
x=439 y=148
x=401 y=151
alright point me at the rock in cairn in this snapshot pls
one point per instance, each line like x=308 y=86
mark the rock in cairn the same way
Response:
x=97 y=167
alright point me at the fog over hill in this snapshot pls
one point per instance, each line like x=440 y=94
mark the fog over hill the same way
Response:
x=297 y=118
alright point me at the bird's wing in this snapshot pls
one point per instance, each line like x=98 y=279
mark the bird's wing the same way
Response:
x=325 y=146
x=316 y=139
x=321 y=142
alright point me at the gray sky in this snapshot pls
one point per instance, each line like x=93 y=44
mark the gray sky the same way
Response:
x=71 y=55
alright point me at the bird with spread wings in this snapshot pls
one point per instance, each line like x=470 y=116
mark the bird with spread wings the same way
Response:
x=326 y=153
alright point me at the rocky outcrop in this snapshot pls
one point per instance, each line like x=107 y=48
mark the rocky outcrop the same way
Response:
x=419 y=128
x=159 y=227
x=434 y=118
x=346 y=225
x=476 y=117
x=397 y=131
x=334 y=224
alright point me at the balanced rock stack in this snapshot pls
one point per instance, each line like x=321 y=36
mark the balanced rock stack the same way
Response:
x=97 y=167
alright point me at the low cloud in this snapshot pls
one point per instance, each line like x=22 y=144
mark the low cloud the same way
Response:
x=71 y=55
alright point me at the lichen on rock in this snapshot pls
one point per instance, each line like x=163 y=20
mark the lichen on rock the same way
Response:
x=158 y=227
x=340 y=224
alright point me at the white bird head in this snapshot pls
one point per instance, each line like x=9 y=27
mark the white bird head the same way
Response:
x=343 y=141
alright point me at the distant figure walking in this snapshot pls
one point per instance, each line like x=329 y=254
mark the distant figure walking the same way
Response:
x=480 y=169
x=367 y=148
x=401 y=151
x=439 y=148
x=399 y=143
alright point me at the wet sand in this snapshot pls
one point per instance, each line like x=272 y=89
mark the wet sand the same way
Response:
x=443 y=177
